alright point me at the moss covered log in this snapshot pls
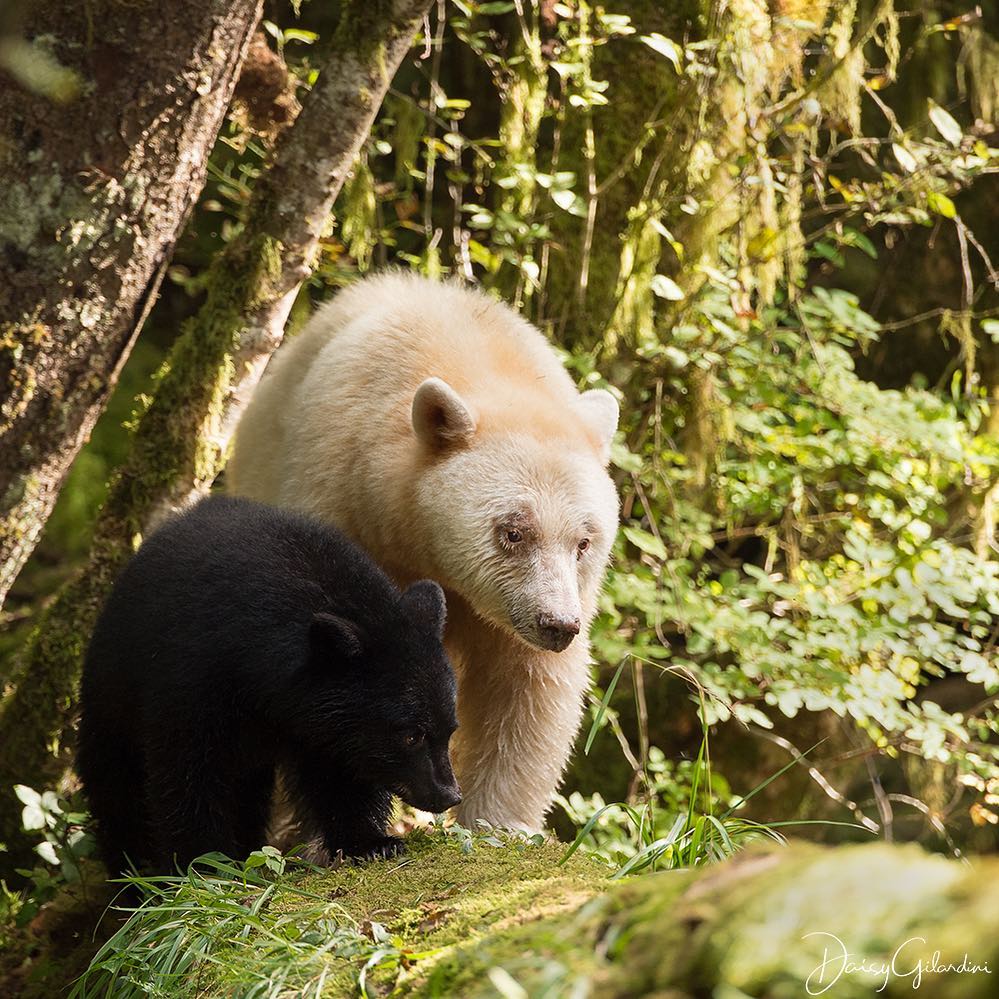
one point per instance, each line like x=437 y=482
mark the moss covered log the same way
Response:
x=456 y=918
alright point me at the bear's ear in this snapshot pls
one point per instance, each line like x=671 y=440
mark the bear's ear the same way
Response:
x=426 y=599
x=333 y=636
x=600 y=410
x=441 y=418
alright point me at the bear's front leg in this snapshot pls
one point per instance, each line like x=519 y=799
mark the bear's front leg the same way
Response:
x=349 y=817
x=519 y=710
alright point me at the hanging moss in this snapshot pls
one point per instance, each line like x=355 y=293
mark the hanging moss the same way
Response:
x=980 y=65
x=639 y=82
x=359 y=225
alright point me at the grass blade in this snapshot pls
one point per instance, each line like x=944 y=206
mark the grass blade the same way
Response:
x=604 y=701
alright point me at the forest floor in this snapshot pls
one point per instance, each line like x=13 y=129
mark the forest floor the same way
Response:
x=486 y=916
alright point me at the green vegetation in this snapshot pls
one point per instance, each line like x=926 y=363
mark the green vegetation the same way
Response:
x=259 y=929
x=481 y=916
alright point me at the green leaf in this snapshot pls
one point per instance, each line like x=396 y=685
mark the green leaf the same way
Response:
x=666 y=287
x=608 y=694
x=47 y=852
x=646 y=542
x=941 y=205
x=945 y=124
x=299 y=35
x=27 y=795
x=905 y=159
x=665 y=47
x=850 y=237
x=32 y=818
x=497 y=7
x=570 y=202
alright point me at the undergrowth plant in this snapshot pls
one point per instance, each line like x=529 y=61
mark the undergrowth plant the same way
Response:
x=270 y=923
x=66 y=844
x=227 y=919
x=681 y=814
x=795 y=538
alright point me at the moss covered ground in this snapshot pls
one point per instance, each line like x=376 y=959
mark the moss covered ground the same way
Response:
x=772 y=922
x=487 y=916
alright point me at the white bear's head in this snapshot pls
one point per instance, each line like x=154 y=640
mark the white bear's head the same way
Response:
x=520 y=521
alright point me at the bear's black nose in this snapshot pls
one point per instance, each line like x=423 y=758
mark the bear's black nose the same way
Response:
x=450 y=797
x=440 y=800
x=557 y=632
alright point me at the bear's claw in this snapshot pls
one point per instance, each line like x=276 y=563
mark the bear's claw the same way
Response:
x=383 y=849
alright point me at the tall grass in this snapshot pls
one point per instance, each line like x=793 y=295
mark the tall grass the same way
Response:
x=702 y=832
x=223 y=921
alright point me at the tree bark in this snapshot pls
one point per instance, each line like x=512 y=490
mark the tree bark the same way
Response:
x=292 y=204
x=97 y=178
x=181 y=441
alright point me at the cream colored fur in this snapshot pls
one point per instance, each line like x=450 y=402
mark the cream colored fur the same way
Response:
x=428 y=422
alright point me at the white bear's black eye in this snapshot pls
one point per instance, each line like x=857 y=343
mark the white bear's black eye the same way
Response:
x=514 y=536
x=582 y=546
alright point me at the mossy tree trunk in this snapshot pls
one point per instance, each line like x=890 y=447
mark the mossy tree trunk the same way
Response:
x=180 y=444
x=108 y=112
x=622 y=155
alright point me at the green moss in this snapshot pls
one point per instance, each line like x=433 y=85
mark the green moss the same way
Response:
x=361 y=25
x=741 y=928
x=640 y=81
x=457 y=917
x=393 y=922
x=438 y=897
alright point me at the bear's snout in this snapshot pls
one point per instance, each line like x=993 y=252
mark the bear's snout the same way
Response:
x=557 y=632
x=436 y=799
x=447 y=798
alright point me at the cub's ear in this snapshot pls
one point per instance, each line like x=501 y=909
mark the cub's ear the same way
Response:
x=333 y=636
x=441 y=418
x=600 y=410
x=426 y=599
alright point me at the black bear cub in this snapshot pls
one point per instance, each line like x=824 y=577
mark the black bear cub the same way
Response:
x=242 y=640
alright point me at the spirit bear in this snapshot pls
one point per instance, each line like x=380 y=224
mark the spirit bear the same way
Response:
x=242 y=642
x=440 y=431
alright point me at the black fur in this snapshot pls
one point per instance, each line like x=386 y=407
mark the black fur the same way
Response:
x=241 y=639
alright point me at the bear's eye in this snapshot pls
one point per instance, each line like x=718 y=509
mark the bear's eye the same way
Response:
x=514 y=536
x=413 y=739
x=582 y=546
